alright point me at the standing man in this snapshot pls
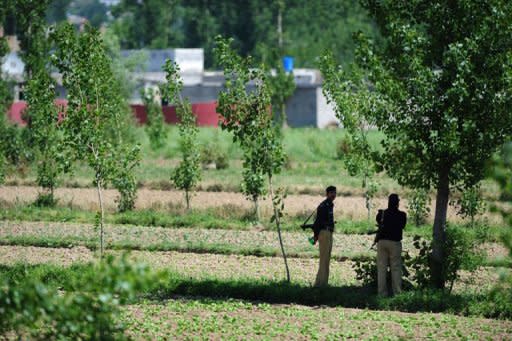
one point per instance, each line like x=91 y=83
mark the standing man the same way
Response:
x=389 y=247
x=324 y=226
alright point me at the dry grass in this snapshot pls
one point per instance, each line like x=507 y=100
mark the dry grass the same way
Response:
x=350 y=207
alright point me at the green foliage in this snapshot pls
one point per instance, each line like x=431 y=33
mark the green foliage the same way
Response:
x=149 y=23
x=93 y=124
x=441 y=103
x=502 y=174
x=124 y=67
x=246 y=115
x=155 y=125
x=460 y=250
x=31 y=32
x=46 y=133
x=87 y=311
x=188 y=173
x=164 y=23
x=57 y=11
x=419 y=207
x=212 y=153
x=470 y=204
x=124 y=176
x=358 y=154
x=282 y=86
x=95 y=11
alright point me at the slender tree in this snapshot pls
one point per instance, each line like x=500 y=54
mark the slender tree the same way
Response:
x=188 y=173
x=282 y=86
x=5 y=102
x=439 y=88
x=155 y=125
x=93 y=110
x=46 y=134
x=246 y=113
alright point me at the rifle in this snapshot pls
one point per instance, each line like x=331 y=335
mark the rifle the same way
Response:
x=306 y=226
x=377 y=233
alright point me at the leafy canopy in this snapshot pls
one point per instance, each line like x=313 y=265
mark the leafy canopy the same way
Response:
x=440 y=87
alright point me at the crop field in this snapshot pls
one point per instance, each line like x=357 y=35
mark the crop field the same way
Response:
x=225 y=271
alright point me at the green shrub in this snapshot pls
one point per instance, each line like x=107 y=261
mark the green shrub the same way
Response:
x=212 y=153
x=342 y=148
x=460 y=253
x=419 y=207
x=470 y=205
x=45 y=200
x=155 y=125
x=86 y=309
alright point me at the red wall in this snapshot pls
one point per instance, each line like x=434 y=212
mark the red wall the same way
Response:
x=206 y=113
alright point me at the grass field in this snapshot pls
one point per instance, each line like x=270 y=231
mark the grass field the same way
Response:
x=224 y=270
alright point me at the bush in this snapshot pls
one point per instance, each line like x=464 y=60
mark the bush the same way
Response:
x=342 y=148
x=213 y=154
x=419 y=207
x=45 y=200
x=470 y=205
x=86 y=310
x=460 y=253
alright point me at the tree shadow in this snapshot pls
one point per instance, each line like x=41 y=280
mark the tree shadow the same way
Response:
x=349 y=296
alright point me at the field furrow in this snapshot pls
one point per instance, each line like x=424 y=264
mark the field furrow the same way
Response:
x=249 y=242
x=232 y=267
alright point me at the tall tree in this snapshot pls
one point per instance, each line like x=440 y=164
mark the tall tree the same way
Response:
x=92 y=116
x=57 y=11
x=46 y=135
x=188 y=173
x=5 y=101
x=32 y=33
x=441 y=94
x=148 y=23
x=246 y=114
x=93 y=10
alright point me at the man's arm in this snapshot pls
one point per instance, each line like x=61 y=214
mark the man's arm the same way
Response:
x=321 y=216
x=404 y=220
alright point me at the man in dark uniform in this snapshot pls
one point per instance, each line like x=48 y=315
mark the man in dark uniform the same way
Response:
x=324 y=228
x=389 y=247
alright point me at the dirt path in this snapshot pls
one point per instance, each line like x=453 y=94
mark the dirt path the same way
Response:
x=86 y=198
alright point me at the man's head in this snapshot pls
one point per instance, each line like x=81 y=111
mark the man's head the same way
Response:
x=393 y=201
x=330 y=192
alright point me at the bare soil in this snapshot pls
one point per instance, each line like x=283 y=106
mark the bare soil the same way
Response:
x=344 y=245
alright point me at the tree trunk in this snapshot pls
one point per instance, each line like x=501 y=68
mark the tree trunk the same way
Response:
x=280 y=30
x=439 y=230
x=256 y=208
x=367 y=198
x=283 y=116
x=278 y=223
x=102 y=213
x=187 y=199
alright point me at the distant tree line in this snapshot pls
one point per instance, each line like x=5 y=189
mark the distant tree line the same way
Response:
x=309 y=26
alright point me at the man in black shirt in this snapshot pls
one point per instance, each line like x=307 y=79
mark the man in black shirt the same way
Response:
x=389 y=247
x=324 y=227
